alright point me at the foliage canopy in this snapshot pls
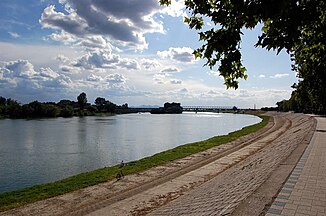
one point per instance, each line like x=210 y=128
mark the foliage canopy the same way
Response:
x=297 y=26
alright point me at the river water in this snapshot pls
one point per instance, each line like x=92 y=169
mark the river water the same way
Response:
x=44 y=150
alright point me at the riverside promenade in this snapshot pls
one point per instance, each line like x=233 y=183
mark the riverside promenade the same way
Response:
x=304 y=193
x=239 y=178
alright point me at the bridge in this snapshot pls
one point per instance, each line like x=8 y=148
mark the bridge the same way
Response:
x=192 y=109
x=207 y=108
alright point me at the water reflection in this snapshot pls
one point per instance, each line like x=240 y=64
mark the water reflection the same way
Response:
x=39 y=151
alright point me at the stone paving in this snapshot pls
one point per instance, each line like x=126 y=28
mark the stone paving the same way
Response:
x=224 y=193
x=304 y=193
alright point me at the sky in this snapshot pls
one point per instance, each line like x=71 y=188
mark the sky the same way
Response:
x=134 y=52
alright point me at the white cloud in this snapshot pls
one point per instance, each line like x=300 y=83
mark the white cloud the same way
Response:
x=94 y=78
x=14 y=34
x=48 y=73
x=149 y=64
x=170 y=70
x=215 y=93
x=62 y=58
x=21 y=77
x=99 y=59
x=104 y=59
x=175 y=81
x=280 y=75
x=19 y=68
x=122 y=22
x=63 y=37
x=94 y=43
x=69 y=69
x=176 y=9
x=183 y=91
x=180 y=54
x=115 y=78
x=128 y=64
x=261 y=76
x=159 y=78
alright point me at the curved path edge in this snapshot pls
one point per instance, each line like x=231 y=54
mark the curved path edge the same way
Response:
x=260 y=201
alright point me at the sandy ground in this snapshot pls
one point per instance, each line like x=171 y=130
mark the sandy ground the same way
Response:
x=238 y=178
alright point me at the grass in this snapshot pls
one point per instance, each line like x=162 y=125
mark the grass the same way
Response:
x=18 y=198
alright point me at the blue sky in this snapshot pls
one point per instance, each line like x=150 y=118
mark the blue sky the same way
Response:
x=134 y=52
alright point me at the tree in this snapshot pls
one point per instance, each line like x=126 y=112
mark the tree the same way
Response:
x=109 y=106
x=13 y=109
x=100 y=102
x=3 y=101
x=67 y=111
x=283 y=22
x=298 y=26
x=82 y=100
x=124 y=106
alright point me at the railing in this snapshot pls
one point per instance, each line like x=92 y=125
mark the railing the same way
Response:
x=206 y=108
x=192 y=109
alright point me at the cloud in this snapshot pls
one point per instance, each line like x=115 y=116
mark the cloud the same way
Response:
x=170 y=70
x=176 y=9
x=261 y=76
x=99 y=59
x=175 y=81
x=94 y=78
x=104 y=59
x=180 y=54
x=22 y=76
x=280 y=75
x=159 y=78
x=48 y=73
x=215 y=93
x=246 y=93
x=14 y=34
x=62 y=58
x=19 y=68
x=123 y=22
x=23 y=81
x=128 y=64
x=64 y=37
x=115 y=78
x=183 y=91
x=150 y=64
x=69 y=69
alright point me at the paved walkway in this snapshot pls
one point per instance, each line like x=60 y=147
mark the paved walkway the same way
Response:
x=304 y=193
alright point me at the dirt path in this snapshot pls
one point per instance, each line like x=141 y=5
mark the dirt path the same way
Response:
x=216 y=180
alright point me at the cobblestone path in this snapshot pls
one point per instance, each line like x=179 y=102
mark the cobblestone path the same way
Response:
x=304 y=193
x=222 y=194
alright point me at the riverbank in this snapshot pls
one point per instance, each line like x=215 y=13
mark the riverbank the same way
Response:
x=17 y=198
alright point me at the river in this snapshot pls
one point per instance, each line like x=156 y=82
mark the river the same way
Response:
x=44 y=150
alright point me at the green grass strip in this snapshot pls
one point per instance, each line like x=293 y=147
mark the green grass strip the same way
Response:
x=18 y=198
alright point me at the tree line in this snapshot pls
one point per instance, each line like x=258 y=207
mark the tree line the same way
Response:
x=10 y=108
